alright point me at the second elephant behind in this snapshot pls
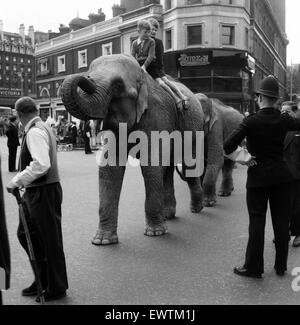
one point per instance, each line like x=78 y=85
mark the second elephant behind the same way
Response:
x=220 y=122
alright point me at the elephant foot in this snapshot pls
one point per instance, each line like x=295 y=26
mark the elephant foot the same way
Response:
x=224 y=193
x=105 y=238
x=209 y=203
x=155 y=231
x=196 y=208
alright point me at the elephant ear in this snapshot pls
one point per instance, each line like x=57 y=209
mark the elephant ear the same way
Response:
x=142 y=100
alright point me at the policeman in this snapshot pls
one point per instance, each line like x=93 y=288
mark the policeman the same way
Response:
x=269 y=178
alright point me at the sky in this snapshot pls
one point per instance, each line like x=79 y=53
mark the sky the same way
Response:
x=48 y=15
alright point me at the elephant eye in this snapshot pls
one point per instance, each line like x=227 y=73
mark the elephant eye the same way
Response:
x=118 y=87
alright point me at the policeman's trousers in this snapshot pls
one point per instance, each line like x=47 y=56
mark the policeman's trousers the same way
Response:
x=279 y=199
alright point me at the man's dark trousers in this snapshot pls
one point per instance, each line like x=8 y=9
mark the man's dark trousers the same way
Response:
x=87 y=145
x=12 y=150
x=295 y=222
x=257 y=201
x=43 y=213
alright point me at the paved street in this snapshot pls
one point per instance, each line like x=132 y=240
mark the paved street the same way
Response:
x=191 y=265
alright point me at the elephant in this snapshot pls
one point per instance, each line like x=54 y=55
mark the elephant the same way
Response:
x=116 y=90
x=220 y=122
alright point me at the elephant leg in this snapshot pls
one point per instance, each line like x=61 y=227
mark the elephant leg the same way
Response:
x=195 y=187
x=209 y=185
x=169 y=194
x=227 y=184
x=154 y=206
x=110 y=184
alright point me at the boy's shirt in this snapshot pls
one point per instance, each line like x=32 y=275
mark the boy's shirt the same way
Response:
x=143 y=51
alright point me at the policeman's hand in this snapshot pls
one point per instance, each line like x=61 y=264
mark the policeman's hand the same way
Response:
x=252 y=162
x=11 y=187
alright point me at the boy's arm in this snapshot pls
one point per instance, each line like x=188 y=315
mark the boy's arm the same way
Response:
x=151 y=53
x=159 y=53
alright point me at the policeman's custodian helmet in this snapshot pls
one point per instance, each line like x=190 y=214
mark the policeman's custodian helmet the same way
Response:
x=269 y=87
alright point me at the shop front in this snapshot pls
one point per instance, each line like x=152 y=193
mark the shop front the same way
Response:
x=222 y=74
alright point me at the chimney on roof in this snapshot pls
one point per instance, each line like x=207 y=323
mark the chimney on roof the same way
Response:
x=22 y=32
x=31 y=34
x=63 y=29
x=97 y=18
x=118 y=10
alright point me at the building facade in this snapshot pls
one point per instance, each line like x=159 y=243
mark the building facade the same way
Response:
x=17 y=66
x=222 y=48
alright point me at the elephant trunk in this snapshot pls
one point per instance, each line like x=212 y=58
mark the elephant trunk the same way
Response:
x=84 y=99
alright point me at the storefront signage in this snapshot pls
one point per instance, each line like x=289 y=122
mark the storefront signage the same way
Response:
x=193 y=60
x=10 y=93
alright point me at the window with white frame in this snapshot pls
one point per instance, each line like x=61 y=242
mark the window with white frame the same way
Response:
x=169 y=39
x=194 y=35
x=193 y=2
x=107 y=49
x=228 y=35
x=61 y=63
x=44 y=66
x=82 y=59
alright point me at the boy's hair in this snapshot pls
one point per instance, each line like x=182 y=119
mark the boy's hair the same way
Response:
x=144 y=24
x=154 y=22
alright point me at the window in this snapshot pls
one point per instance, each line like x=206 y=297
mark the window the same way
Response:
x=107 y=49
x=169 y=39
x=14 y=59
x=193 y=2
x=168 y=4
x=44 y=66
x=227 y=35
x=194 y=35
x=21 y=60
x=61 y=63
x=82 y=59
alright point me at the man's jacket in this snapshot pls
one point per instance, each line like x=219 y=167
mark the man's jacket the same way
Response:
x=265 y=132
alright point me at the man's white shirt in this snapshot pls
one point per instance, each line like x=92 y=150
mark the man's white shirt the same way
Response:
x=37 y=142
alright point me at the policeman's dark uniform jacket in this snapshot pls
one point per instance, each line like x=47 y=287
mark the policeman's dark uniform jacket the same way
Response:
x=4 y=245
x=12 y=134
x=269 y=181
x=292 y=157
x=42 y=205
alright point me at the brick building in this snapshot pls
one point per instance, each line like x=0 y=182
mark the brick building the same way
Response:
x=17 y=65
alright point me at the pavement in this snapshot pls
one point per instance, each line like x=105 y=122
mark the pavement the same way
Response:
x=192 y=265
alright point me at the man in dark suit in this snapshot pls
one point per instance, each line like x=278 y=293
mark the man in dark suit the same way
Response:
x=292 y=156
x=269 y=180
x=87 y=136
x=12 y=134
x=4 y=246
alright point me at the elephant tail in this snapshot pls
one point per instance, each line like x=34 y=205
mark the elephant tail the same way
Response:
x=180 y=173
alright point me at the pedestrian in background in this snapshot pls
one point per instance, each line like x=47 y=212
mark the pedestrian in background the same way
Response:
x=74 y=134
x=292 y=156
x=269 y=178
x=42 y=201
x=87 y=134
x=12 y=133
x=4 y=245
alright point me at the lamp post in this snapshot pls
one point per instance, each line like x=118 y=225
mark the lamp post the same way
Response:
x=291 y=90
